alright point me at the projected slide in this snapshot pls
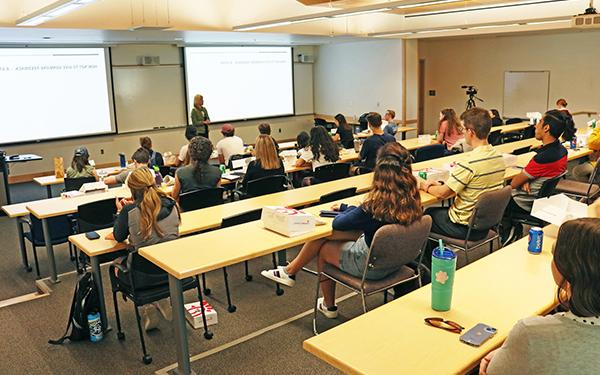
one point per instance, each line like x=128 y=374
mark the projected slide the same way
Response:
x=241 y=82
x=53 y=93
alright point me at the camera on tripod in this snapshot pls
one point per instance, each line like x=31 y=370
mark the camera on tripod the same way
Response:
x=472 y=94
x=471 y=90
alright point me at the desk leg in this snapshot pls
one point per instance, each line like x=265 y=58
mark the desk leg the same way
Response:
x=181 y=343
x=404 y=136
x=49 y=191
x=22 y=245
x=50 y=251
x=97 y=273
x=282 y=257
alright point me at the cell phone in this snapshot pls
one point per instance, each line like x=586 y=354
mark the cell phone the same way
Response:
x=479 y=334
x=92 y=235
x=326 y=213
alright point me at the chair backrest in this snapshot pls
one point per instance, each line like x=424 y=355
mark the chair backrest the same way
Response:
x=395 y=245
x=332 y=172
x=96 y=215
x=76 y=183
x=495 y=137
x=510 y=137
x=549 y=186
x=59 y=226
x=362 y=170
x=166 y=170
x=201 y=198
x=489 y=209
x=429 y=152
x=522 y=150
x=528 y=132
x=242 y=218
x=511 y=121
x=266 y=185
x=337 y=195
x=320 y=122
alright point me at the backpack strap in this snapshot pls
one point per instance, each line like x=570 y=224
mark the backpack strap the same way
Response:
x=66 y=335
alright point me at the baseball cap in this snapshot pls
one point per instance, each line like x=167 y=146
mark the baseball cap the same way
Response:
x=82 y=151
x=227 y=129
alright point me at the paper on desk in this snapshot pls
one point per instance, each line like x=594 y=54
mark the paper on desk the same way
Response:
x=558 y=208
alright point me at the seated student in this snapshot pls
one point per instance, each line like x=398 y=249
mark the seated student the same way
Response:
x=267 y=162
x=229 y=145
x=198 y=174
x=393 y=199
x=80 y=165
x=389 y=126
x=561 y=105
x=565 y=342
x=322 y=150
x=303 y=142
x=150 y=218
x=483 y=171
x=265 y=128
x=496 y=118
x=368 y=152
x=184 y=158
x=550 y=161
x=140 y=159
x=450 y=130
x=583 y=172
x=155 y=157
x=344 y=133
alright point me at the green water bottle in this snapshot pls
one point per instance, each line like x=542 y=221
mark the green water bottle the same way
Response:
x=443 y=267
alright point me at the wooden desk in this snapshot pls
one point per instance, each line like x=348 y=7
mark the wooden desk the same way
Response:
x=48 y=181
x=287 y=145
x=512 y=127
x=498 y=290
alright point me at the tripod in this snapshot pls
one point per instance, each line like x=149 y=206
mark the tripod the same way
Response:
x=471 y=103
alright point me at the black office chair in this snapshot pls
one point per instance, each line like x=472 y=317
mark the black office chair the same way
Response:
x=514 y=120
x=60 y=229
x=320 y=122
x=332 y=172
x=202 y=198
x=429 y=152
x=362 y=170
x=166 y=170
x=528 y=132
x=94 y=216
x=76 y=183
x=495 y=137
x=266 y=185
x=337 y=195
x=522 y=150
x=144 y=283
x=510 y=137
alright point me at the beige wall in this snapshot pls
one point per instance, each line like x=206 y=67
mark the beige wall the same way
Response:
x=105 y=149
x=411 y=59
x=571 y=58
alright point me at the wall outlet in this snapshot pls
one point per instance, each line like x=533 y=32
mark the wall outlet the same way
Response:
x=101 y=151
x=279 y=130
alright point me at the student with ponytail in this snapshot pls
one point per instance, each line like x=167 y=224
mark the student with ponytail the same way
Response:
x=393 y=199
x=153 y=217
x=198 y=174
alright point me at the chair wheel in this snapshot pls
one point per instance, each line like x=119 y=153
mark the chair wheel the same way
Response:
x=231 y=308
x=80 y=271
x=28 y=269
x=121 y=336
x=147 y=359
x=72 y=258
x=248 y=277
x=208 y=335
x=279 y=292
x=206 y=292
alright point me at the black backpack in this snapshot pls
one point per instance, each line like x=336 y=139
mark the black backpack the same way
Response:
x=85 y=300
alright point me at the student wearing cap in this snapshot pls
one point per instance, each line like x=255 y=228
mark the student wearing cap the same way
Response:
x=199 y=115
x=229 y=145
x=80 y=165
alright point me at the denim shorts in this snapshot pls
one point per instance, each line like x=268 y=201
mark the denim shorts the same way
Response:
x=353 y=260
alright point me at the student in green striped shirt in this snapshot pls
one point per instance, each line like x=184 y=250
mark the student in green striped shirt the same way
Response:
x=200 y=118
x=482 y=172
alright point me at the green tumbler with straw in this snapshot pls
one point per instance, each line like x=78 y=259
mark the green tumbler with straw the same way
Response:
x=443 y=267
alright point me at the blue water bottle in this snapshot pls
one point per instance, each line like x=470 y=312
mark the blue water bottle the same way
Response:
x=95 y=326
x=122 y=160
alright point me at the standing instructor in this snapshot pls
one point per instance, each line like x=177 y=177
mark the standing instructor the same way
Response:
x=200 y=118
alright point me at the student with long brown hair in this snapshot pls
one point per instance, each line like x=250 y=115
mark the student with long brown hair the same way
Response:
x=566 y=342
x=198 y=174
x=153 y=217
x=449 y=128
x=267 y=161
x=393 y=199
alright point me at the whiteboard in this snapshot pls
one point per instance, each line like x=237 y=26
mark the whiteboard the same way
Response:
x=303 y=88
x=525 y=91
x=149 y=97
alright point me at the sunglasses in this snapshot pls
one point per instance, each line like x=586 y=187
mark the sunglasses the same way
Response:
x=446 y=325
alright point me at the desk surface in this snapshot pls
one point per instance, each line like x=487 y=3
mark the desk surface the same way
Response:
x=512 y=127
x=498 y=290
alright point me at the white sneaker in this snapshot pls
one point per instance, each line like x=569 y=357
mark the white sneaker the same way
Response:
x=279 y=276
x=149 y=317
x=329 y=312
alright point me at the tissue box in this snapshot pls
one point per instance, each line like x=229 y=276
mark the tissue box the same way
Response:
x=433 y=174
x=287 y=221
x=193 y=314
x=510 y=160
